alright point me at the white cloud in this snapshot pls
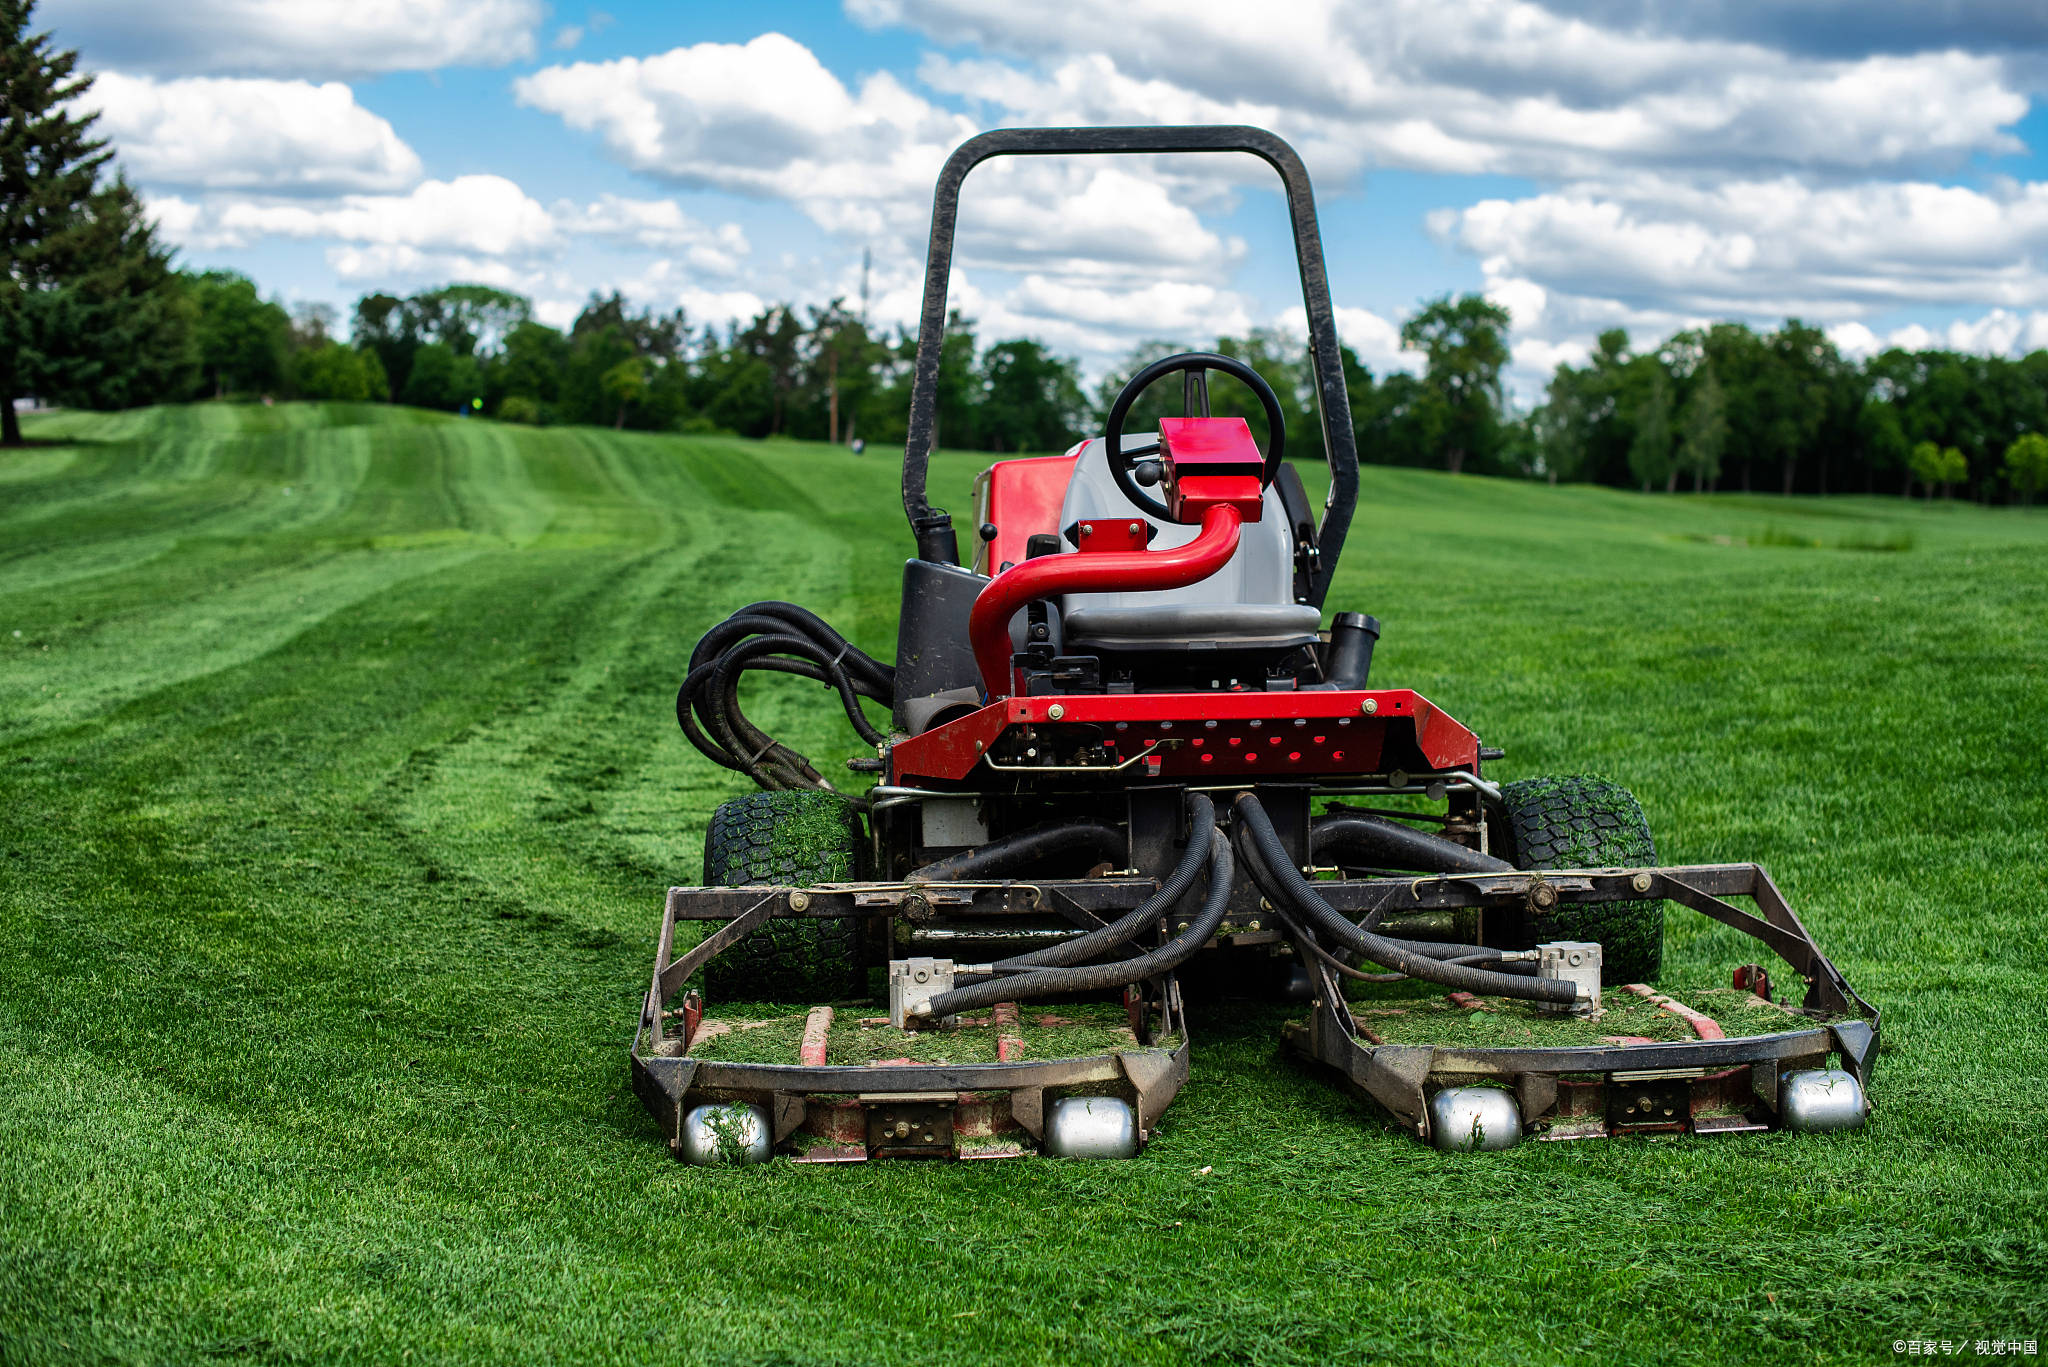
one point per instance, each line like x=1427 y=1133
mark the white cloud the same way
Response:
x=1747 y=248
x=1492 y=85
x=1998 y=333
x=317 y=38
x=658 y=224
x=484 y=215
x=764 y=118
x=218 y=133
x=703 y=306
x=568 y=36
x=1375 y=340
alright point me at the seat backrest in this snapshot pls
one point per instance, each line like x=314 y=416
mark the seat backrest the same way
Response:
x=1249 y=600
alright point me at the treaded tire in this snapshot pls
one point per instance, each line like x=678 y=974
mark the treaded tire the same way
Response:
x=792 y=838
x=1579 y=821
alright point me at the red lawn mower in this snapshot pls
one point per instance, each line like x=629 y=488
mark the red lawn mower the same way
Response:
x=1129 y=768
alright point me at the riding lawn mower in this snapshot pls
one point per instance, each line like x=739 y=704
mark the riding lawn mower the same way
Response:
x=1128 y=769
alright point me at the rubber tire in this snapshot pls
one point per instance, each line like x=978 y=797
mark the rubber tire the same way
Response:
x=792 y=838
x=1579 y=821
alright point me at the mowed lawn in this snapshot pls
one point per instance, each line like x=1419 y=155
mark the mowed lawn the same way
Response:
x=339 y=782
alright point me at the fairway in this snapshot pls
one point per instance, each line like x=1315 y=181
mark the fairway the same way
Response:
x=341 y=783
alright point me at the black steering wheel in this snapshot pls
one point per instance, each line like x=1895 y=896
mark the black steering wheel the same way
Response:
x=1130 y=469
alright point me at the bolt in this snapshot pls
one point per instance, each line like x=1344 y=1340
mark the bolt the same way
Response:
x=903 y=1129
x=1641 y=882
x=1369 y=706
x=1087 y=529
x=927 y=1139
x=1137 y=528
x=1253 y=926
x=922 y=976
x=1543 y=895
x=1056 y=711
x=799 y=901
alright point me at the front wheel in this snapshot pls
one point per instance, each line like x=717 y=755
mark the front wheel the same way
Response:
x=791 y=838
x=1578 y=821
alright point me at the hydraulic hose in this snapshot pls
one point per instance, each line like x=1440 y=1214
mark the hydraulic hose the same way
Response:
x=1025 y=849
x=1080 y=949
x=783 y=638
x=1274 y=871
x=1381 y=842
x=1052 y=982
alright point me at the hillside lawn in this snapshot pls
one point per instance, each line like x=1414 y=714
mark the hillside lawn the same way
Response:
x=339 y=782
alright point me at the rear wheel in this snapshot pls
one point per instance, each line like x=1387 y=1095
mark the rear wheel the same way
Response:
x=1577 y=821
x=792 y=838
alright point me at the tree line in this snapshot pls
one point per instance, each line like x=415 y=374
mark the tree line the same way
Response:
x=1729 y=407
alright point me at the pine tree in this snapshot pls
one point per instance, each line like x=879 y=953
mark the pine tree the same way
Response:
x=90 y=310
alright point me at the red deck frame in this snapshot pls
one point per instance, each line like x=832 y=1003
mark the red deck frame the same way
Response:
x=1218 y=737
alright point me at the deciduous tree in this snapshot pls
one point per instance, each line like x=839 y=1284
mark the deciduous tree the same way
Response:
x=1466 y=343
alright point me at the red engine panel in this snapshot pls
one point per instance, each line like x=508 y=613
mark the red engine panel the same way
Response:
x=1198 y=737
x=1018 y=497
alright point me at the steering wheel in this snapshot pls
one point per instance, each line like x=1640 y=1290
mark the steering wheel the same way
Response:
x=1125 y=465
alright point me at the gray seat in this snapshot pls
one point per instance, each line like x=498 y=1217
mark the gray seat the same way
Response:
x=1248 y=604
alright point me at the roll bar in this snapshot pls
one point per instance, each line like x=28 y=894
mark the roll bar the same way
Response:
x=933 y=527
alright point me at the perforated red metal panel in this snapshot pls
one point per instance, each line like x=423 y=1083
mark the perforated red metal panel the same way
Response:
x=1216 y=737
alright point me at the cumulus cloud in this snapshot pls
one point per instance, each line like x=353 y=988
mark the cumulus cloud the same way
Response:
x=1699 y=161
x=1999 y=333
x=1831 y=27
x=317 y=38
x=1748 y=248
x=659 y=224
x=246 y=134
x=767 y=119
x=763 y=117
x=1489 y=85
x=485 y=215
x=1375 y=340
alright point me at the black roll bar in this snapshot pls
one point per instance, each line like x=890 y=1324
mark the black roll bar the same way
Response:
x=933 y=527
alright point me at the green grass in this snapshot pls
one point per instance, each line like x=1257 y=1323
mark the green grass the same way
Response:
x=341 y=782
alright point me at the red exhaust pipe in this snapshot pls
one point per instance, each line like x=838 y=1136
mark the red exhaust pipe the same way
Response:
x=1093 y=571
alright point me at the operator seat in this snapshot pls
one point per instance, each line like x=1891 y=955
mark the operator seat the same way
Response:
x=1247 y=605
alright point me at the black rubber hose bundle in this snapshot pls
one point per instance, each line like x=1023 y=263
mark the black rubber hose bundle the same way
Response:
x=1390 y=844
x=1027 y=848
x=1274 y=871
x=1051 y=982
x=1082 y=948
x=781 y=638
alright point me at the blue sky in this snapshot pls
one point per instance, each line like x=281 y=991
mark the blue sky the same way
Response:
x=1872 y=167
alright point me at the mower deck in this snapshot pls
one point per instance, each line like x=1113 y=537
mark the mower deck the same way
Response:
x=840 y=1083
